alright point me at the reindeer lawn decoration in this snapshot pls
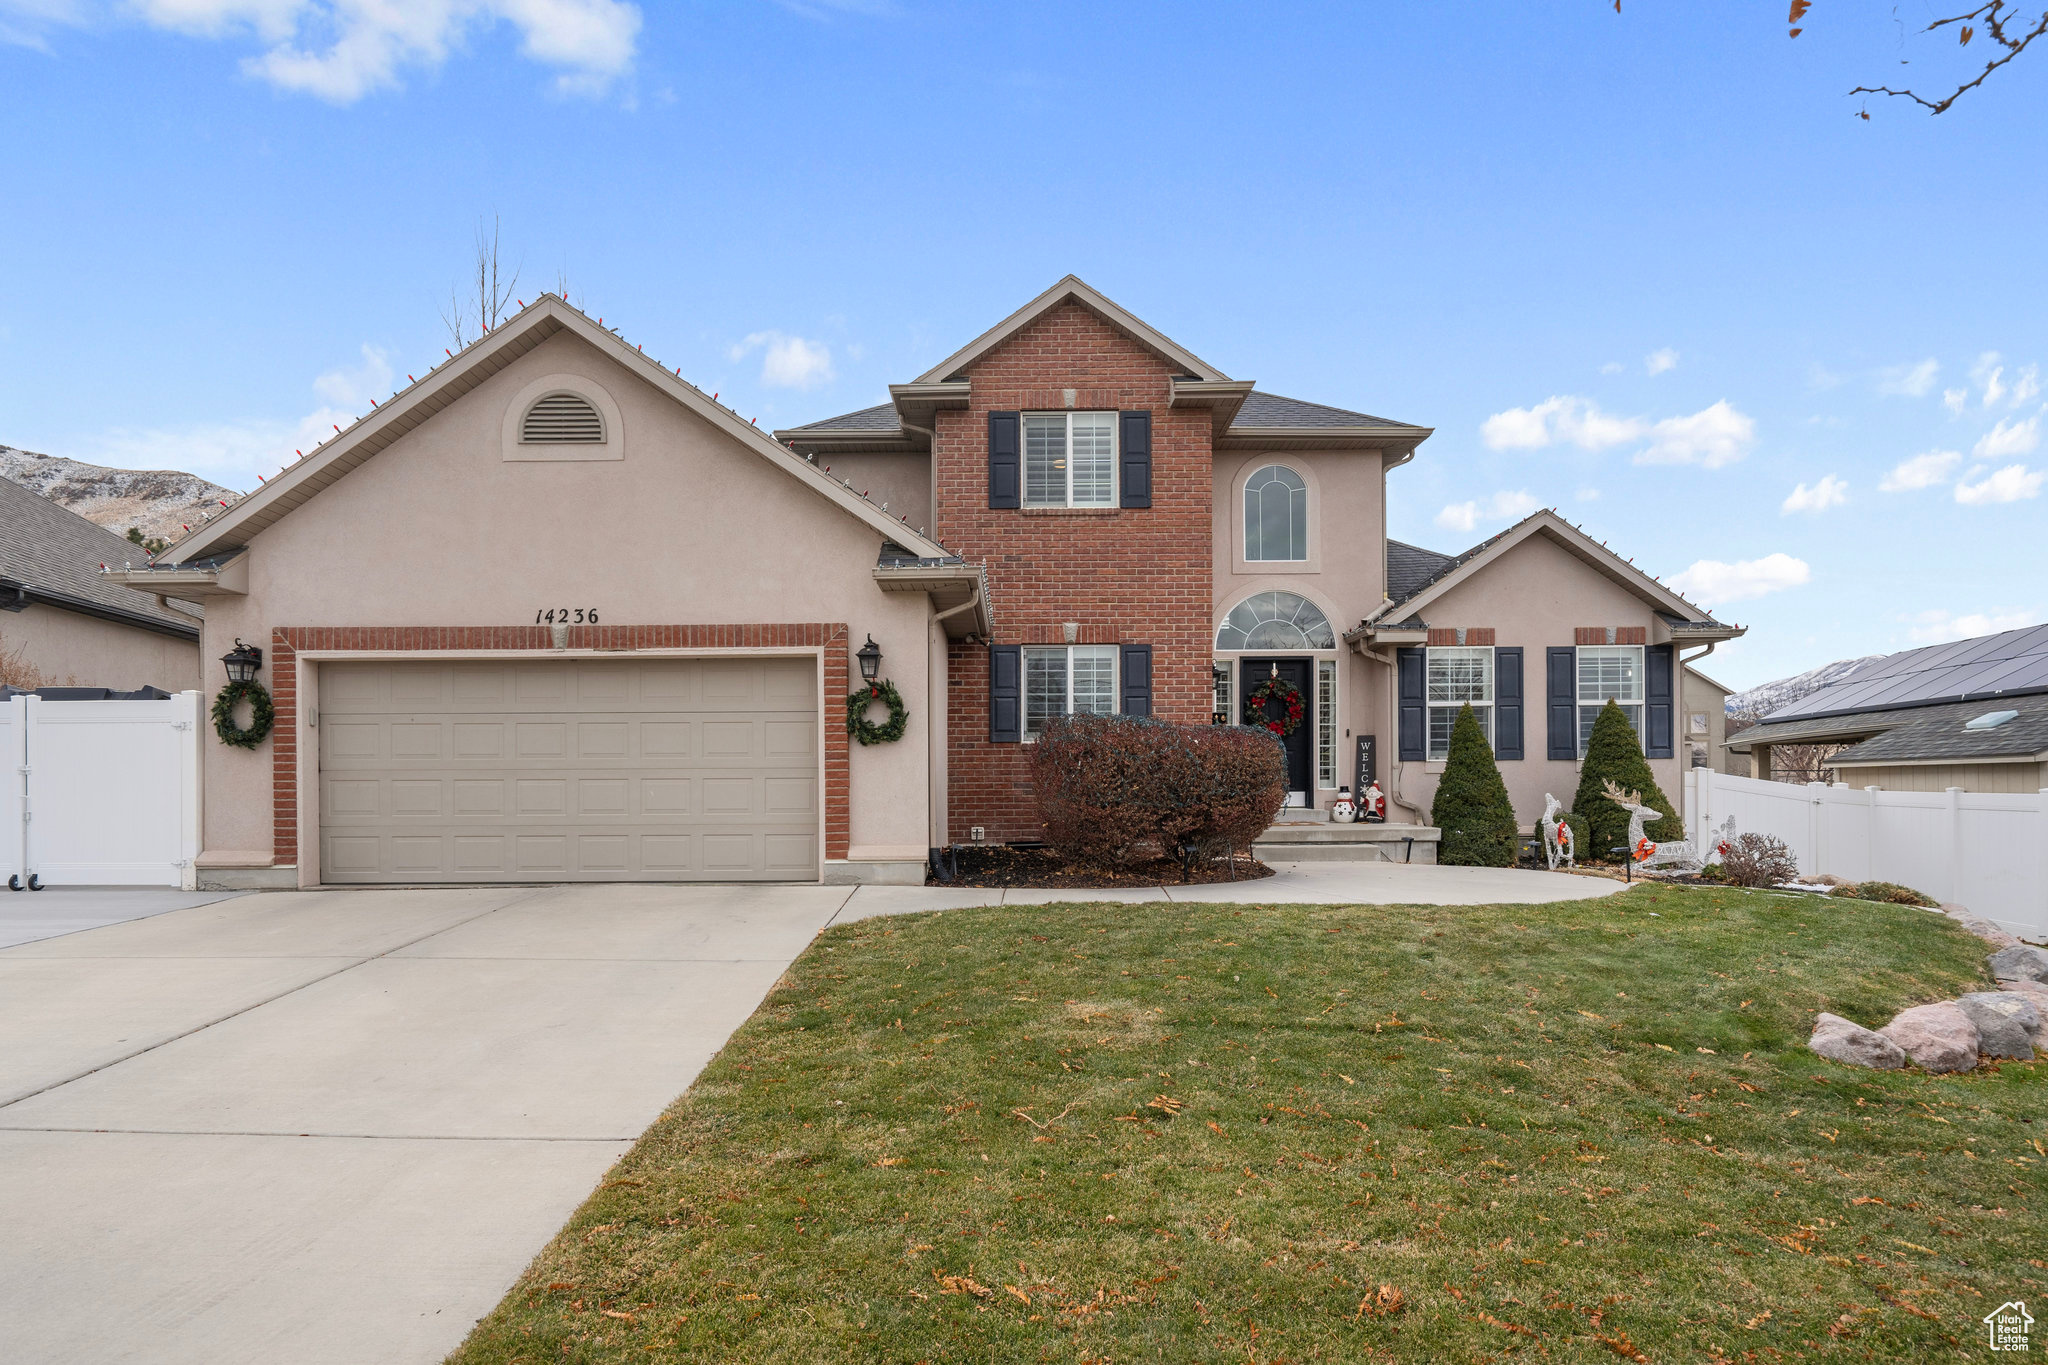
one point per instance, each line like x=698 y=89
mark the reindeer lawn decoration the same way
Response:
x=1557 y=835
x=1677 y=854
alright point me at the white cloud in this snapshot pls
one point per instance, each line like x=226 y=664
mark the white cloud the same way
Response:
x=2009 y=484
x=1587 y=495
x=352 y=389
x=1921 y=471
x=1911 y=381
x=1988 y=372
x=1953 y=400
x=1557 y=419
x=2026 y=385
x=1712 y=437
x=1507 y=505
x=341 y=50
x=1829 y=492
x=1613 y=367
x=1713 y=583
x=788 y=362
x=1658 y=361
x=2008 y=438
x=1939 y=627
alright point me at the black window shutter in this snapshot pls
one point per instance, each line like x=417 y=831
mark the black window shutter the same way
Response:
x=1657 y=710
x=1005 y=694
x=1002 y=458
x=1408 y=664
x=1136 y=451
x=1137 y=689
x=1507 y=703
x=1561 y=682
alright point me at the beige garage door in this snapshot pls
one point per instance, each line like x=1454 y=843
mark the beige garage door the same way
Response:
x=648 y=770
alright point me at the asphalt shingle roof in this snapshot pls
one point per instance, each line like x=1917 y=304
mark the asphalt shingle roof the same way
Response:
x=1410 y=569
x=881 y=417
x=51 y=549
x=1271 y=410
x=1937 y=732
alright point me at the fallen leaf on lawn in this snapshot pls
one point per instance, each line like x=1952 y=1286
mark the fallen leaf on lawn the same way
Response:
x=1346 y=1079
x=1590 y=1015
x=1917 y=1247
x=1759 y=1320
x=1166 y=1104
x=1217 y=1235
x=1270 y=991
x=1709 y=1051
x=1013 y=1289
x=1382 y=1303
x=961 y=1284
x=628 y=1317
x=891 y=1161
x=1492 y=1321
x=1217 y=1128
x=1665 y=1046
x=1026 y=1116
x=1623 y=1347
x=746 y=1296
x=1868 y=1199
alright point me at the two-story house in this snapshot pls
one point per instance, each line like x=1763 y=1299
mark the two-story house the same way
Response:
x=553 y=613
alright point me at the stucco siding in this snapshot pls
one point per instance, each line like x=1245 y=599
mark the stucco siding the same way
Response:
x=689 y=528
x=1535 y=596
x=903 y=482
x=2005 y=778
x=72 y=649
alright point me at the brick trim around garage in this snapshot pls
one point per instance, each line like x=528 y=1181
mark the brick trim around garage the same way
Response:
x=287 y=641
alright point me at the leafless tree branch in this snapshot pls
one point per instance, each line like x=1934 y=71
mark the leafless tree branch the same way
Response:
x=480 y=302
x=1994 y=17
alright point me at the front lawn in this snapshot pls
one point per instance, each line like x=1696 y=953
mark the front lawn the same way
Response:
x=1587 y=1131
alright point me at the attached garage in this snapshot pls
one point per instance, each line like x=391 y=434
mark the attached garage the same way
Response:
x=646 y=769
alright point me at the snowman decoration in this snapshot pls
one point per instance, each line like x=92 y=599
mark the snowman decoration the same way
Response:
x=1343 y=810
x=1374 y=802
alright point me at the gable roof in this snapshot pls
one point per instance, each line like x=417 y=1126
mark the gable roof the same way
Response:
x=1261 y=411
x=1410 y=569
x=1072 y=289
x=547 y=316
x=1682 y=616
x=1937 y=734
x=50 y=554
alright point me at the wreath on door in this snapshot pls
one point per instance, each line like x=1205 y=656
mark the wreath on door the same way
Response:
x=261 y=714
x=1275 y=687
x=866 y=731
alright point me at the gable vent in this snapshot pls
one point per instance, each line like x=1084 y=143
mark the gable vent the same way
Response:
x=562 y=419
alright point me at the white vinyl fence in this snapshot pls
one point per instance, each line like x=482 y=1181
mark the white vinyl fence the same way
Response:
x=1982 y=850
x=100 y=793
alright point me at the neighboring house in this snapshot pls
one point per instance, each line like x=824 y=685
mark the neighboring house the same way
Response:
x=1970 y=714
x=65 y=624
x=649 y=681
x=1703 y=726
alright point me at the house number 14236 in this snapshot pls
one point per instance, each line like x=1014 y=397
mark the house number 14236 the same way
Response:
x=565 y=616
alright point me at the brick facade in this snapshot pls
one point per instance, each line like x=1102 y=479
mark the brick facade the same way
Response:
x=1127 y=576
x=287 y=641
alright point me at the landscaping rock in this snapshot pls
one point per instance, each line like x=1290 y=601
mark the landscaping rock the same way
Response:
x=2009 y=1023
x=2035 y=991
x=1982 y=928
x=2020 y=962
x=1938 y=1037
x=1840 y=1040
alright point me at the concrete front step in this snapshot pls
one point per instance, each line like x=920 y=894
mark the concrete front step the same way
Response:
x=1296 y=841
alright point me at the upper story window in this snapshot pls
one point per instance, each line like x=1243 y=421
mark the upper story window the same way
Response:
x=1276 y=620
x=1609 y=673
x=1275 y=515
x=1459 y=676
x=1070 y=459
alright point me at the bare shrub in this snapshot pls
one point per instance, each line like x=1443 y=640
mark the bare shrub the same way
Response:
x=1758 y=860
x=1890 y=892
x=1113 y=789
x=17 y=671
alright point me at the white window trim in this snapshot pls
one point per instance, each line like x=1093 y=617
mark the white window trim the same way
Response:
x=1579 y=704
x=1254 y=568
x=1329 y=761
x=1024 y=682
x=1115 y=458
x=1483 y=708
x=1308 y=539
x=515 y=451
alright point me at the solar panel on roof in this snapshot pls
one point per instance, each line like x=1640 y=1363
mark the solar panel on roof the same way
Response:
x=2009 y=663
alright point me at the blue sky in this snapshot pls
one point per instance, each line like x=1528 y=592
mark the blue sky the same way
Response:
x=1648 y=267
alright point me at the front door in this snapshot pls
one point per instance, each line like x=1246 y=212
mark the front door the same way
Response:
x=1295 y=672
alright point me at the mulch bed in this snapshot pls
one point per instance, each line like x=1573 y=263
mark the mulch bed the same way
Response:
x=1001 y=865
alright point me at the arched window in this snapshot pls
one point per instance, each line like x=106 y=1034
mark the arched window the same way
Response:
x=1275 y=515
x=562 y=419
x=1276 y=620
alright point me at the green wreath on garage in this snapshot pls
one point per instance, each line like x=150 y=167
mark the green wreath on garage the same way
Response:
x=866 y=731
x=261 y=714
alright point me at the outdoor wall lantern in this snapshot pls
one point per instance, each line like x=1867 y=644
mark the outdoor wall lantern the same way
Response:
x=242 y=662
x=870 y=656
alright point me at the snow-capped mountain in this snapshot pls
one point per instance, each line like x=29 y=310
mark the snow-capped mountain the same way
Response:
x=1765 y=698
x=160 y=501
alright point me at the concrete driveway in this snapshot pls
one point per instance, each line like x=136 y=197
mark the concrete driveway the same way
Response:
x=335 y=1126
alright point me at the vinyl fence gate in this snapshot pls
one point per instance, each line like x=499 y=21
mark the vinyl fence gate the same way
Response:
x=1987 y=851
x=99 y=793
